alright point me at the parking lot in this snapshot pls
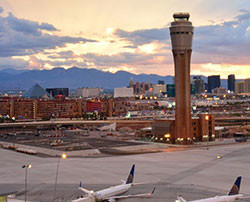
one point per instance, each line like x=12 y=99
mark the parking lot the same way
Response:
x=69 y=140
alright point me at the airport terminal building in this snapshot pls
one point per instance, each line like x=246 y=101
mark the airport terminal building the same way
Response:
x=202 y=129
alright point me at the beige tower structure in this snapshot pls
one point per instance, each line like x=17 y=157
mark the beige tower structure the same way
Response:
x=181 y=32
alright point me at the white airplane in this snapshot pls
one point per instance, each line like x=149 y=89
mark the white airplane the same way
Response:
x=111 y=127
x=113 y=193
x=232 y=195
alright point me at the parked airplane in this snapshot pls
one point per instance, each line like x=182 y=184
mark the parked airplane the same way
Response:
x=112 y=194
x=110 y=127
x=232 y=195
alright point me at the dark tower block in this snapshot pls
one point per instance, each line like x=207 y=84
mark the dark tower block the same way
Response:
x=181 y=32
x=231 y=82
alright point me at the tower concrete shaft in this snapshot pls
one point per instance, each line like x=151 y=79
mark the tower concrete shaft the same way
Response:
x=181 y=32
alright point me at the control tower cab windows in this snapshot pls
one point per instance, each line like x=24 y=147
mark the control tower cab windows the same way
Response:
x=187 y=33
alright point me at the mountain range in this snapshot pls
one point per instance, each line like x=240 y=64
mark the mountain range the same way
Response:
x=73 y=78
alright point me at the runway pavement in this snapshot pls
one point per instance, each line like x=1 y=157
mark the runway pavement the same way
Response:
x=195 y=173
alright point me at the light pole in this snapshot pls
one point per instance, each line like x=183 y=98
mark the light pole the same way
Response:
x=63 y=156
x=26 y=168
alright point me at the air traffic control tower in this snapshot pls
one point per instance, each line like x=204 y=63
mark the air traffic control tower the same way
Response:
x=181 y=32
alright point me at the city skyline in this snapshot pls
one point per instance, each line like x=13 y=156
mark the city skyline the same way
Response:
x=94 y=34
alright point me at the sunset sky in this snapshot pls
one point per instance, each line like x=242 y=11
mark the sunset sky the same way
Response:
x=130 y=35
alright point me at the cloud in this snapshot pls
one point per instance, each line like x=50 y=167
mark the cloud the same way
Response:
x=227 y=42
x=1 y=9
x=224 y=43
x=125 y=58
x=63 y=54
x=149 y=49
x=27 y=26
x=20 y=37
x=35 y=62
x=245 y=15
x=9 y=62
x=144 y=36
x=67 y=63
x=133 y=62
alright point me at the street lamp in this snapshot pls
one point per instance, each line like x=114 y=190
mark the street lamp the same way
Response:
x=26 y=168
x=63 y=156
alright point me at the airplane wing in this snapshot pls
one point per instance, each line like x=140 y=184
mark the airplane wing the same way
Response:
x=139 y=183
x=86 y=191
x=146 y=195
x=180 y=199
x=242 y=196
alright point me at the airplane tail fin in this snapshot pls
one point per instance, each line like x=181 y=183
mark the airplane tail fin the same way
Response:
x=236 y=187
x=131 y=175
x=153 y=191
x=180 y=199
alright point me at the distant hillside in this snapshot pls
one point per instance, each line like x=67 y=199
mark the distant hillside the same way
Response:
x=75 y=78
x=13 y=71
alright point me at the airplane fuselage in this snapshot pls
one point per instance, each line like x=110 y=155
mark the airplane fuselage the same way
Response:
x=112 y=191
x=225 y=198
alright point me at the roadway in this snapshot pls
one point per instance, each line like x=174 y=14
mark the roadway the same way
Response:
x=72 y=122
x=101 y=122
x=195 y=173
